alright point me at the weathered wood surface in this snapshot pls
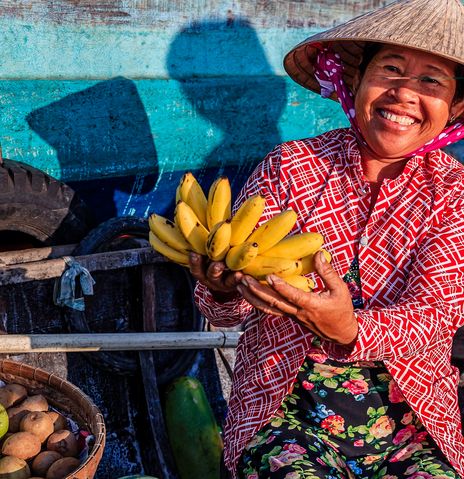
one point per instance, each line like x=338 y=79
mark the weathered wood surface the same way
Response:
x=147 y=341
x=8 y=258
x=159 y=13
x=54 y=268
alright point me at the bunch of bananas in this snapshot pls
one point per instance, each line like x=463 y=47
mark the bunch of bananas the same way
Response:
x=205 y=225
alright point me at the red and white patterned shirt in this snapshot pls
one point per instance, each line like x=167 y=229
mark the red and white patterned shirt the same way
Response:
x=411 y=261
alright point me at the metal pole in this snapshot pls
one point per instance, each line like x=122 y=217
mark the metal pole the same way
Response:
x=53 y=343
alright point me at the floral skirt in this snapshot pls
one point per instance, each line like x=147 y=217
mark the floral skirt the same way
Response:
x=343 y=421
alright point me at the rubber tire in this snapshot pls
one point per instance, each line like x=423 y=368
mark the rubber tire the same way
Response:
x=102 y=239
x=34 y=203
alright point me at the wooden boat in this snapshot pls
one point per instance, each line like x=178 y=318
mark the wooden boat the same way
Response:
x=117 y=100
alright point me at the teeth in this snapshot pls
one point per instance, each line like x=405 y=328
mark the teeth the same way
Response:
x=402 y=120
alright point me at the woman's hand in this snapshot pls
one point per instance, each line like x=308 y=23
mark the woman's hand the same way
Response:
x=215 y=276
x=328 y=313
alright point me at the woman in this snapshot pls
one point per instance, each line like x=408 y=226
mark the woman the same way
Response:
x=354 y=379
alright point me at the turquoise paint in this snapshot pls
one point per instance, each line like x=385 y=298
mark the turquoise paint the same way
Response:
x=50 y=51
x=77 y=130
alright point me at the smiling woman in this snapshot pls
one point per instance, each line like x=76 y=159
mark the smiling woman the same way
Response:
x=354 y=378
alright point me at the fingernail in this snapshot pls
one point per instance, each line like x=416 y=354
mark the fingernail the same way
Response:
x=272 y=278
x=244 y=282
x=194 y=257
x=322 y=256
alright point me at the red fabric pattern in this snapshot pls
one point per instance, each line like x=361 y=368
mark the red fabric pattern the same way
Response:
x=412 y=274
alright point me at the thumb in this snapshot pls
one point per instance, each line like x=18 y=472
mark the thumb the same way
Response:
x=326 y=272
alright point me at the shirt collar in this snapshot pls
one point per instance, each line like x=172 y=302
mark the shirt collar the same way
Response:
x=353 y=161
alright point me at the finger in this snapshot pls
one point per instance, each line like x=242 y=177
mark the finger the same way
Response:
x=293 y=295
x=269 y=296
x=196 y=265
x=257 y=302
x=215 y=270
x=324 y=269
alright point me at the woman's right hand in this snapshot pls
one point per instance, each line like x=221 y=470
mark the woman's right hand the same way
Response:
x=215 y=276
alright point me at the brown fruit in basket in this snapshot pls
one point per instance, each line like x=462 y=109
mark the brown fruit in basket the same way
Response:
x=14 y=468
x=39 y=423
x=63 y=467
x=36 y=402
x=64 y=442
x=23 y=445
x=43 y=461
x=59 y=421
x=11 y=394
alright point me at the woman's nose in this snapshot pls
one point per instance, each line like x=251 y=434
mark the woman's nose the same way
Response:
x=405 y=89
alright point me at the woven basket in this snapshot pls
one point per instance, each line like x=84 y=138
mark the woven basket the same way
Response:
x=68 y=399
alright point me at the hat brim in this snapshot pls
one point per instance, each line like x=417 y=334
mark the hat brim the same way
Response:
x=299 y=62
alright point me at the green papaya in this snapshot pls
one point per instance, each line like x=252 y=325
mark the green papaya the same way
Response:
x=196 y=442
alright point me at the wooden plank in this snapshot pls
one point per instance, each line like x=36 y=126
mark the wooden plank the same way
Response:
x=51 y=343
x=158 y=14
x=35 y=254
x=159 y=438
x=54 y=268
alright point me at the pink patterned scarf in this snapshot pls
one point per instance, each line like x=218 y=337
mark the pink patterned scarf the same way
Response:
x=328 y=72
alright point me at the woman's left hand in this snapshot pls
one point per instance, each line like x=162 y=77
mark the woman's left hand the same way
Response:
x=328 y=313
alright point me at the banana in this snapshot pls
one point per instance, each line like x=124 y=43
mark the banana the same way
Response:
x=240 y=256
x=273 y=230
x=308 y=261
x=300 y=282
x=245 y=219
x=296 y=246
x=218 y=242
x=167 y=251
x=191 y=193
x=261 y=266
x=178 y=198
x=168 y=232
x=219 y=202
x=190 y=226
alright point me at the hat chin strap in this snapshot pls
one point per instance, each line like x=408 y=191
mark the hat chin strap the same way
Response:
x=328 y=70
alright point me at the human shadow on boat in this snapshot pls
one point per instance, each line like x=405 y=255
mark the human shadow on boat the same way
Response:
x=96 y=133
x=223 y=71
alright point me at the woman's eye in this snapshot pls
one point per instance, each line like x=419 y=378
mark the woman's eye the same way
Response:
x=392 y=69
x=430 y=80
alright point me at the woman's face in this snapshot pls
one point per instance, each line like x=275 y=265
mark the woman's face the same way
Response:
x=404 y=99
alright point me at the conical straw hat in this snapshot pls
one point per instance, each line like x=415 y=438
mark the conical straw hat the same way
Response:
x=434 y=26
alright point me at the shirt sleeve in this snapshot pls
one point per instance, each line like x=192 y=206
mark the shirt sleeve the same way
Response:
x=431 y=308
x=265 y=180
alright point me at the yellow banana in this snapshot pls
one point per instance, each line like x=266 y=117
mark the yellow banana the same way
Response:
x=245 y=219
x=308 y=261
x=273 y=230
x=296 y=246
x=240 y=256
x=178 y=198
x=192 y=193
x=167 y=251
x=261 y=266
x=300 y=282
x=194 y=232
x=168 y=232
x=218 y=242
x=219 y=202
